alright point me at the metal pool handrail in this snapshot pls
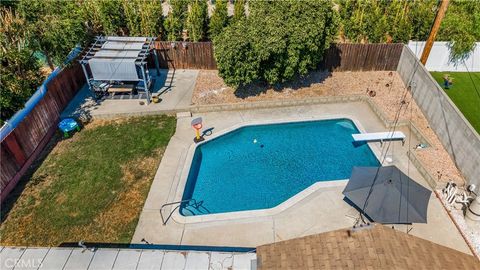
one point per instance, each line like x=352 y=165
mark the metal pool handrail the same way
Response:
x=195 y=204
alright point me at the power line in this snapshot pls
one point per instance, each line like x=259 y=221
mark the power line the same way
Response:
x=392 y=128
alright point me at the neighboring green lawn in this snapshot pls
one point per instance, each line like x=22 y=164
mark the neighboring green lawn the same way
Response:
x=90 y=187
x=463 y=94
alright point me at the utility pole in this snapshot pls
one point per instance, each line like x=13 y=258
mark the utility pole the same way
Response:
x=433 y=32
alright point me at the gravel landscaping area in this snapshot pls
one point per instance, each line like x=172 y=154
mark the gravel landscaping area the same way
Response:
x=389 y=93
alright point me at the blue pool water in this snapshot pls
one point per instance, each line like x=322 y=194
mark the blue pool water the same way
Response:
x=259 y=167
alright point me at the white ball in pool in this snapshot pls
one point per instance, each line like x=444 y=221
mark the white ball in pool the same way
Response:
x=254 y=140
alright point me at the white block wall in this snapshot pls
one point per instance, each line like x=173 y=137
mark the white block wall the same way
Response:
x=440 y=54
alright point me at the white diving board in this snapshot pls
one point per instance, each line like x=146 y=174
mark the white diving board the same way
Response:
x=379 y=136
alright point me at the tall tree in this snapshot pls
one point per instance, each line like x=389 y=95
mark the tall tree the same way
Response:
x=254 y=48
x=197 y=20
x=399 y=25
x=382 y=20
x=143 y=17
x=112 y=17
x=219 y=18
x=105 y=17
x=363 y=21
x=12 y=4
x=174 y=23
x=20 y=71
x=461 y=28
x=56 y=26
x=92 y=17
x=239 y=10
x=421 y=15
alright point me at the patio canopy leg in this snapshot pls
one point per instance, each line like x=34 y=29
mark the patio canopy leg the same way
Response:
x=157 y=65
x=147 y=91
x=88 y=82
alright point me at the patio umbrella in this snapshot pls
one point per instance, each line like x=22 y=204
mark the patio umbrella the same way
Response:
x=394 y=197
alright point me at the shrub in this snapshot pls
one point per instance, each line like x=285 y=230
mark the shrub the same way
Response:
x=237 y=62
x=254 y=49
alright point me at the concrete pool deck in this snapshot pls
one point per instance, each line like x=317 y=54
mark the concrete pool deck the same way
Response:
x=174 y=87
x=320 y=211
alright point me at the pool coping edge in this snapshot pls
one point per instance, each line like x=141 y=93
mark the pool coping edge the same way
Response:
x=295 y=199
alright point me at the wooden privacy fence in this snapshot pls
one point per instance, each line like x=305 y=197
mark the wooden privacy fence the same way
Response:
x=185 y=55
x=339 y=57
x=23 y=145
x=362 y=57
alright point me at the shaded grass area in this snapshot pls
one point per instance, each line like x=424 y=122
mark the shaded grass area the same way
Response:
x=90 y=187
x=463 y=94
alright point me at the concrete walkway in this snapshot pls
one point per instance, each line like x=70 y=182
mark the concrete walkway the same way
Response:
x=321 y=211
x=174 y=86
x=117 y=259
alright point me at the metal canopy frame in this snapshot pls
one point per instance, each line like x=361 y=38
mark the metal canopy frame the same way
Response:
x=141 y=58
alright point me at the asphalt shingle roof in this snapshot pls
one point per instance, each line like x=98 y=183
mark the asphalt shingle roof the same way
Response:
x=379 y=247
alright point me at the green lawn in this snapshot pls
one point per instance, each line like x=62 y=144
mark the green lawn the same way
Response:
x=90 y=187
x=463 y=94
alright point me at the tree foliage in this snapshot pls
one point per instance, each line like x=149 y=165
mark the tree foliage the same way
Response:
x=197 y=20
x=238 y=10
x=219 y=18
x=237 y=62
x=123 y=17
x=56 y=27
x=401 y=21
x=174 y=23
x=111 y=17
x=105 y=17
x=20 y=71
x=461 y=27
x=254 y=49
x=275 y=42
x=382 y=21
x=143 y=17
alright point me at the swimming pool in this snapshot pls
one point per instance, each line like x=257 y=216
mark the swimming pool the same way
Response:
x=259 y=167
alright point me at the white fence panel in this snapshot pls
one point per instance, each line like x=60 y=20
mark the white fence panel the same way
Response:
x=440 y=54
